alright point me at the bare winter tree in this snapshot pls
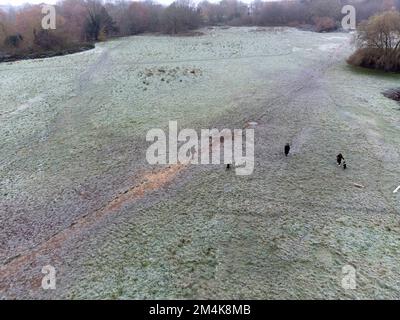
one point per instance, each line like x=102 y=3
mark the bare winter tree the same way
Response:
x=98 y=22
x=181 y=16
x=211 y=13
x=381 y=32
x=3 y=27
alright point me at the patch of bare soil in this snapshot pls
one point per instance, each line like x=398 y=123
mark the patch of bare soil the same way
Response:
x=167 y=75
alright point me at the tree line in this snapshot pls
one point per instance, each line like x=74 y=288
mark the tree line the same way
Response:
x=80 y=21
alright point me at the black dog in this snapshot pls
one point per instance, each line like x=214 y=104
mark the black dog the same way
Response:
x=287 y=149
x=344 y=165
x=339 y=159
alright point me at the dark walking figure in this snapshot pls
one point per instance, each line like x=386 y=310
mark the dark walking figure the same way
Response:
x=339 y=159
x=228 y=166
x=287 y=149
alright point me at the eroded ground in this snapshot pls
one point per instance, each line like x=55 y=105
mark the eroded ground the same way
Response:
x=77 y=193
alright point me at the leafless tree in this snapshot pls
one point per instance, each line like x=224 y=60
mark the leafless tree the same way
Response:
x=180 y=16
x=379 y=42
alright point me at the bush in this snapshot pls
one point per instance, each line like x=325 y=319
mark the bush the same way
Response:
x=379 y=42
x=324 y=24
x=46 y=40
x=13 y=41
x=376 y=59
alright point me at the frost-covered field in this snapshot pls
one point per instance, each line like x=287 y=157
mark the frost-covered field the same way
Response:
x=76 y=191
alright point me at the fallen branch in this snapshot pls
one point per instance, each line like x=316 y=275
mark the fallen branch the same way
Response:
x=358 y=185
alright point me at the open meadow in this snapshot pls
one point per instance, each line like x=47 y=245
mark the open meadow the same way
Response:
x=77 y=193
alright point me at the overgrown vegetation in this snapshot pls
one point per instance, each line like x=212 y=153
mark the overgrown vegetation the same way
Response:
x=393 y=94
x=81 y=21
x=378 y=40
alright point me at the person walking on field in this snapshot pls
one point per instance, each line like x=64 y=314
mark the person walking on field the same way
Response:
x=287 y=149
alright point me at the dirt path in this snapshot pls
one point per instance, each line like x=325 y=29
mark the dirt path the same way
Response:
x=148 y=183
